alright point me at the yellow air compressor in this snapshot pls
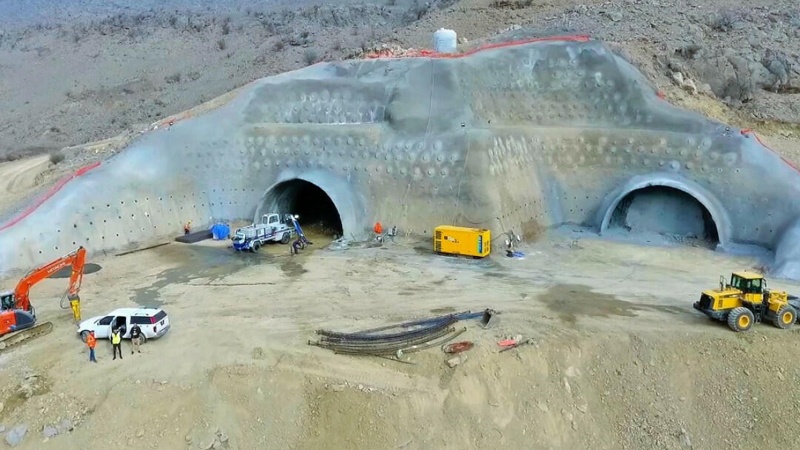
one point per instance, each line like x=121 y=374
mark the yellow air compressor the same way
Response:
x=454 y=240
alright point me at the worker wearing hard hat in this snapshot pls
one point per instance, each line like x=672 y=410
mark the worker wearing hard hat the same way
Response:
x=116 y=343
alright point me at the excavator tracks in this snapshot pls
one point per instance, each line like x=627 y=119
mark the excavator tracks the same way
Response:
x=18 y=337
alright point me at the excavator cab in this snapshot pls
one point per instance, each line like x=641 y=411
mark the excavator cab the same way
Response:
x=18 y=316
x=6 y=300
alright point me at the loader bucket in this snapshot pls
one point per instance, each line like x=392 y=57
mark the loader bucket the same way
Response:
x=489 y=318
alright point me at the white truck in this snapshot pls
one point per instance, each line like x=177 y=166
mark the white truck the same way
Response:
x=271 y=229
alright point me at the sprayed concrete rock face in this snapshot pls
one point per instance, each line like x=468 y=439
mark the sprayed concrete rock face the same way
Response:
x=664 y=211
x=519 y=137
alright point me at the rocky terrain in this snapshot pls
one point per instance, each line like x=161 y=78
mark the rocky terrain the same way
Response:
x=73 y=73
x=89 y=74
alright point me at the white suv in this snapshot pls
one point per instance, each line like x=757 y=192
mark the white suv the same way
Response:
x=153 y=322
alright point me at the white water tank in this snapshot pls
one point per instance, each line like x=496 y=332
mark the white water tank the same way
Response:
x=445 y=41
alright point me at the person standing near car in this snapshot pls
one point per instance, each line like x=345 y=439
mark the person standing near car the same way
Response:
x=91 y=342
x=116 y=343
x=136 y=338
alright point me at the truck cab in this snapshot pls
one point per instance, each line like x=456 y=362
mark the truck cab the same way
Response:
x=270 y=219
x=270 y=229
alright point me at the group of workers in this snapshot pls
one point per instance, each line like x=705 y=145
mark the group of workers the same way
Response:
x=116 y=342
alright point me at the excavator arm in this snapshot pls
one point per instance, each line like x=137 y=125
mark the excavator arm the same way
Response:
x=76 y=259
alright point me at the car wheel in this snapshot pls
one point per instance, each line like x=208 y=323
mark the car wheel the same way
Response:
x=84 y=335
x=142 y=338
x=285 y=238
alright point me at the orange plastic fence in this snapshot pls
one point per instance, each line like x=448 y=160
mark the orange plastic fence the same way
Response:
x=51 y=192
x=170 y=121
x=748 y=132
x=432 y=54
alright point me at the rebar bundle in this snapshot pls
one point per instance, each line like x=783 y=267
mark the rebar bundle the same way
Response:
x=414 y=336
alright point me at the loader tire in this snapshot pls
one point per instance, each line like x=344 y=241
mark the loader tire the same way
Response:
x=785 y=317
x=740 y=319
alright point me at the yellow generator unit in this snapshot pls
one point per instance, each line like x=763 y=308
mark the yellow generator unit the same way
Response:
x=462 y=241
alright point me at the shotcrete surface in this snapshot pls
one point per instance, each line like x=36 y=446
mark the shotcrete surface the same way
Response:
x=525 y=136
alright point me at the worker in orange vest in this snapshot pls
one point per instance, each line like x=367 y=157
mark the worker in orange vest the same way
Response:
x=378 y=230
x=91 y=342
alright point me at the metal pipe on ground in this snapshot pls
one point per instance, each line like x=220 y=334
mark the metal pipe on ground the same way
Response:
x=432 y=344
x=414 y=323
x=452 y=334
x=333 y=335
x=388 y=349
x=394 y=346
x=466 y=315
x=387 y=337
x=433 y=332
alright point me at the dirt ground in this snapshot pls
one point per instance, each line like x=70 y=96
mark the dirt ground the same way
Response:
x=618 y=359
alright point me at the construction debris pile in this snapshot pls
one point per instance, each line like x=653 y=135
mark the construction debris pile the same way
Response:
x=387 y=51
x=412 y=337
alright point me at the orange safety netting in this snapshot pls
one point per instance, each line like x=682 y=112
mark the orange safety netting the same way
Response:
x=51 y=192
x=389 y=53
x=748 y=132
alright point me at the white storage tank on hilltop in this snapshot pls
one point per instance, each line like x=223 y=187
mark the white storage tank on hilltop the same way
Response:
x=445 y=41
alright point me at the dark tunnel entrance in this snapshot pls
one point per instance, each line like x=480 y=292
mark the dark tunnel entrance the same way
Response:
x=318 y=214
x=662 y=211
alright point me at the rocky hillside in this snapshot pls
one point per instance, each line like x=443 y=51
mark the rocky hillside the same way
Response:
x=68 y=77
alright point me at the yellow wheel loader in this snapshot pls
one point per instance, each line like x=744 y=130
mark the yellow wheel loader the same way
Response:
x=746 y=300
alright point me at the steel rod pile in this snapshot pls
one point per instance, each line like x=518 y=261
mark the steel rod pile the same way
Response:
x=415 y=336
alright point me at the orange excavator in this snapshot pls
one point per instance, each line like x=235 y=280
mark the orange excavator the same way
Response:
x=18 y=316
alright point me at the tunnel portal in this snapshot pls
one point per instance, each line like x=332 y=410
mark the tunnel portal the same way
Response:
x=313 y=205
